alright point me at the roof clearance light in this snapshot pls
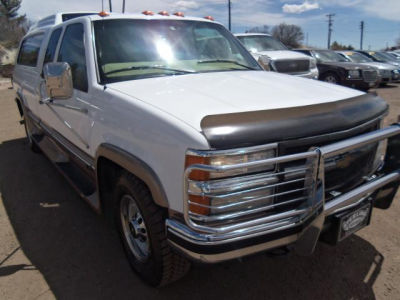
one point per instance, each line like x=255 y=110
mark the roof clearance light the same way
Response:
x=179 y=14
x=163 y=13
x=103 y=13
x=148 y=13
x=209 y=18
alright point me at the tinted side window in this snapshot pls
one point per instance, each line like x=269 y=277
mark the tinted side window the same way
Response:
x=51 y=47
x=72 y=51
x=29 y=52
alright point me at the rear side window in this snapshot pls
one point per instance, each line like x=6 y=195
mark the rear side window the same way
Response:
x=72 y=51
x=29 y=52
x=51 y=47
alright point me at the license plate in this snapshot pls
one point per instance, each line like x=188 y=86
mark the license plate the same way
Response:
x=354 y=221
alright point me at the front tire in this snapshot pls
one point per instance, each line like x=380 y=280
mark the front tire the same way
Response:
x=140 y=224
x=331 y=78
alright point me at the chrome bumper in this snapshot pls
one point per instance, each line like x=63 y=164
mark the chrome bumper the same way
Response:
x=260 y=236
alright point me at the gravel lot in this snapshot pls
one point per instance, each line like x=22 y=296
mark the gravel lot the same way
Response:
x=53 y=246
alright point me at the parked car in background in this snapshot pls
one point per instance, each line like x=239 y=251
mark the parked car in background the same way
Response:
x=336 y=69
x=380 y=56
x=387 y=72
x=394 y=54
x=275 y=56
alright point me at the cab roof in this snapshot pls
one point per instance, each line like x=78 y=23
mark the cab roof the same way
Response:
x=61 y=17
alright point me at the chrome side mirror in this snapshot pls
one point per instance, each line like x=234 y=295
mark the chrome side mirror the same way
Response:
x=58 y=79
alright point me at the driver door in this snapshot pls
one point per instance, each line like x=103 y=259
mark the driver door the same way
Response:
x=69 y=119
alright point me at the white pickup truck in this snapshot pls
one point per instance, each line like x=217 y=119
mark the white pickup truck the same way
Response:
x=275 y=56
x=170 y=128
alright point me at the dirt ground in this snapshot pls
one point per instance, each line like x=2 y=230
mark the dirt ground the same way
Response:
x=53 y=246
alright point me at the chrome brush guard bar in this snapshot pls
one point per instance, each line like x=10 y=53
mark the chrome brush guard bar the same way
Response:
x=311 y=213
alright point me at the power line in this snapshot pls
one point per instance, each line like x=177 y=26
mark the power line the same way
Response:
x=330 y=23
x=229 y=15
x=362 y=34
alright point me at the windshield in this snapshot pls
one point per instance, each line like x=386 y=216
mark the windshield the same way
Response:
x=136 y=49
x=388 y=56
x=358 y=57
x=258 y=43
x=329 y=56
x=379 y=56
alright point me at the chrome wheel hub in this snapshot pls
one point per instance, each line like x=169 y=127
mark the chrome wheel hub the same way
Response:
x=134 y=228
x=330 y=79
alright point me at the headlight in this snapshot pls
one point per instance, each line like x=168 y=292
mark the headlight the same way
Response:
x=354 y=74
x=313 y=63
x=209 y=191
x=222 y=158
x=265 y=62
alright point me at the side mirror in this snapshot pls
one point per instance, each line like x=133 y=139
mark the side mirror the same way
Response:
x=58 y=79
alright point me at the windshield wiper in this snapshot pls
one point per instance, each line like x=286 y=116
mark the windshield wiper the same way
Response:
x=149 y=67
x=225 y=61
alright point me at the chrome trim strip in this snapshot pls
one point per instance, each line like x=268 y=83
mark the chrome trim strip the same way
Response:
x=237 y=151
x=242 y=213
x=359 y=141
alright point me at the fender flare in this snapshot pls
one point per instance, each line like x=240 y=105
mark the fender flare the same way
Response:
x=135 y=166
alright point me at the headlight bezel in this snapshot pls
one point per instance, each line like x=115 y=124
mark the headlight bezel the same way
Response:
x=265 y=62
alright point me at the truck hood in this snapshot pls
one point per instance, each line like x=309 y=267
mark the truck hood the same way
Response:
x=191 y=97
x=282 y=54
x=381 y=66
x=346 y=65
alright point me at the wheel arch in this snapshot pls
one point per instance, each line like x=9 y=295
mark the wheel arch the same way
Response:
x=123 y=161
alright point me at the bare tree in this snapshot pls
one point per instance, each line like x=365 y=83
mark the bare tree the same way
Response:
x=290 y=35
x=259 y=29
x=8 y=8
x=12 y=26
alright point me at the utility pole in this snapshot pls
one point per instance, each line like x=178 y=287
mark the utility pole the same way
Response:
x=229 y=16
x=110 y=5
x=330 y=23
x=123 y=6
x=362 y=35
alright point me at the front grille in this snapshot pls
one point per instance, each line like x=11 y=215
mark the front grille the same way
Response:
x=370 y=75
x=292 y=66
x=344 y=171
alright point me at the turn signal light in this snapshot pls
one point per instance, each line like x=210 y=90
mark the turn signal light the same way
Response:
x=198 y=209
x=209 y=18
x=179 y=14
x=148 y=13
x=197 y=160
x=164 y=13
x=103 y=13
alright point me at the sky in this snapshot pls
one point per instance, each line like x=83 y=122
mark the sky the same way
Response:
x=381 y=17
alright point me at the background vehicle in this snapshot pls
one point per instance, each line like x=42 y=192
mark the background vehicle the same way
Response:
x=336 y=69
x=387 y=72
x=396 y=55
x=171 y=129
x=380 y=56
x=274 y=56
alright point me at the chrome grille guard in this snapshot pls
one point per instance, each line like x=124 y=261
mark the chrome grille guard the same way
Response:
x=311 y=212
